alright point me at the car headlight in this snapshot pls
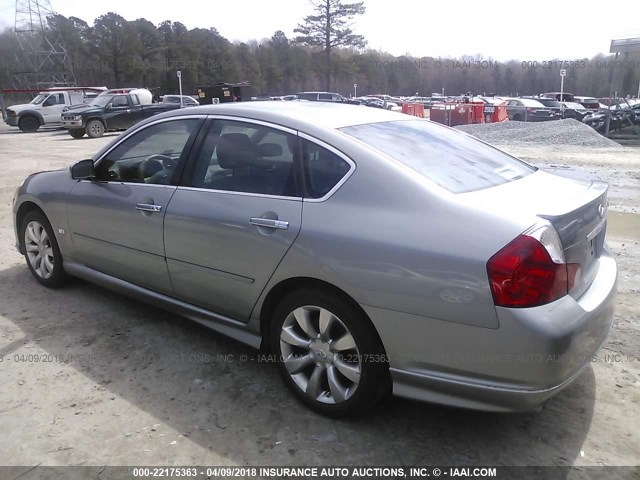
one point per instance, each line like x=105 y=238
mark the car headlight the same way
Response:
x=11 y=113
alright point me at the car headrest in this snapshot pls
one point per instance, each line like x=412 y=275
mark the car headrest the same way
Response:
x=236 y=150
x=269 y=150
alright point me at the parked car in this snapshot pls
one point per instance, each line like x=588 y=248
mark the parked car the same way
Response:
x=110 y=111
x=564 y=109
x=288 y=98
x=370 y=101
x=575 y=110
x=324 y=97
x=466 y=277
x=560 y=96
x=187 y=101
x=529 y=110
x=45 y=108
x=589 y=103
x=551 y=103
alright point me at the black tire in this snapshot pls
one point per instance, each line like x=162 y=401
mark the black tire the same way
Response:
x=29 y=124
x=76 y=132
x=374 y=379
x=95 y=129
x=54 y=277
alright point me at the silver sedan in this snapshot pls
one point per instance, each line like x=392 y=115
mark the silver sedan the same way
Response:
x=367 y=250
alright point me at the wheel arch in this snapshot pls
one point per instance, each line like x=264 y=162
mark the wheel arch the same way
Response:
x=31 y=113
x=24 y=208
x=281 y=289
x=101 y=120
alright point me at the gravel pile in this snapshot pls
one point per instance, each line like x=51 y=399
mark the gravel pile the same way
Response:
x=558 y=132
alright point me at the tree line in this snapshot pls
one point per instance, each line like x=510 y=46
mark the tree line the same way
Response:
x=115 y=52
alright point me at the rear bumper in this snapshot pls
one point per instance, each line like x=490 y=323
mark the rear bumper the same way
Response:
x=535 y=353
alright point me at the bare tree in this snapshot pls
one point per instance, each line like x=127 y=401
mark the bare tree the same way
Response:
x=329 y=27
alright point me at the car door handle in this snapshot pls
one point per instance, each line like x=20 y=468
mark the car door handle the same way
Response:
x=269 y=223
x=148 y=207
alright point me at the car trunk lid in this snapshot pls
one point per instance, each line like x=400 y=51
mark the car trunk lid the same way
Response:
x=576 y=208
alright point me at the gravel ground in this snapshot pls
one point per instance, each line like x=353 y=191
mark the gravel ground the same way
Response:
x=559 y=132
x=145 y=386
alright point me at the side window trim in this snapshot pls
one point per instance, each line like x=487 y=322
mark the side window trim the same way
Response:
x=352 y=166
x=184 y=157
x=123 y=138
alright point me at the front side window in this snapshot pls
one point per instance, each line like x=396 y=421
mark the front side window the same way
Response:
x=245 y=157
x=150 y=155
x=120 y=101
x=449 y=158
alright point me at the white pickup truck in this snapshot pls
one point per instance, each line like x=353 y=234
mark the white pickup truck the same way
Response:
x=46 y=108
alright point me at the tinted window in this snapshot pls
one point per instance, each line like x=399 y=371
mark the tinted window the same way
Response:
x=134 y=99
x=449 y=158
x=120 y=101
x=323 y=169
x=308 y=96
x=149 y=156
x=244 y=157
x=325 y=96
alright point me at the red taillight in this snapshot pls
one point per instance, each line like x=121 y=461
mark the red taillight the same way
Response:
x=531 y=270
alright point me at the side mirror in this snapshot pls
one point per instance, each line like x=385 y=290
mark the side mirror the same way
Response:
x=109 y=106
x=82 y=170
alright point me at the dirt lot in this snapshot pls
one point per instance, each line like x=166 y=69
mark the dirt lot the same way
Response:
x=146 y=387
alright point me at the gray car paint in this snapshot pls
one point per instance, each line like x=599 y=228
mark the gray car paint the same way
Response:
x=395 y=243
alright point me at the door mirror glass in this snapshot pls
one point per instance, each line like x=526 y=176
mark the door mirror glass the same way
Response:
x=82 y=170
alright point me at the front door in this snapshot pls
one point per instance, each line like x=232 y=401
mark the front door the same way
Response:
x=120 y=114
x=227 y=230
x=116 y=220
x=52 y=108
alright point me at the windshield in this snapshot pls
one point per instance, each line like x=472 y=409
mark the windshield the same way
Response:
x=449 y=158
x=101 y=100
x=39 y=99
x=575 y=106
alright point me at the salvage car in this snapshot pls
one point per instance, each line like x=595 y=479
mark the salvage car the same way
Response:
x=529 y=110
x=367 y=250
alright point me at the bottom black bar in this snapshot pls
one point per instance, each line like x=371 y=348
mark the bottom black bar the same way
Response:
x=317 y=472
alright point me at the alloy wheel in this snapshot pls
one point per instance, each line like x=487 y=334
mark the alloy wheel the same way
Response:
x=39 y=249
x=320 y=354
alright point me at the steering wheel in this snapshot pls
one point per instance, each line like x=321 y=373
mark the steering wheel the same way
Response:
x=155 y=167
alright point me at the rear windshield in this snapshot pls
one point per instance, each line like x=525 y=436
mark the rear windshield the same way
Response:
x=449 y=158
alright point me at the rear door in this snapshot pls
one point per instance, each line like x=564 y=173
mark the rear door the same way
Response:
x=238 y=213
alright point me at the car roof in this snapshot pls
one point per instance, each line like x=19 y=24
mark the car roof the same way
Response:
x=297 y=114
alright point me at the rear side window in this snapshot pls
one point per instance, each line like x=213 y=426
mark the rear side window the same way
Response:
x=451 y=159
x=308 y=96
x=323 y=169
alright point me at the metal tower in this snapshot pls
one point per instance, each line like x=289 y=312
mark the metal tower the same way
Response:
x=40 y=56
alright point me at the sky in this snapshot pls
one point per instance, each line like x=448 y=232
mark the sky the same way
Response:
x=497 y=29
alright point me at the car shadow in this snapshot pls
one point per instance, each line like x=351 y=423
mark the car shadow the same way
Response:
x=221 y=395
